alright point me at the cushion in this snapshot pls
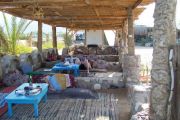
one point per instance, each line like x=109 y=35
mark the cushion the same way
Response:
x=52 y=80
x=79 y=93
x=8 y=89
x=61 y=79
x=26 y=68
x=15 y=78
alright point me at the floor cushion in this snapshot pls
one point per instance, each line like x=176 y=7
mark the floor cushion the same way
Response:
x=6 y=90
x=79 y=93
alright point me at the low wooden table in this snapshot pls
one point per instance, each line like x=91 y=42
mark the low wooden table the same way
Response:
x=12 y=98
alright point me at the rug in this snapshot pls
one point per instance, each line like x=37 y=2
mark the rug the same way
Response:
x=104 y=108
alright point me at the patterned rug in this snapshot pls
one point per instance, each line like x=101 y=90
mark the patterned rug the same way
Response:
x=104 y=108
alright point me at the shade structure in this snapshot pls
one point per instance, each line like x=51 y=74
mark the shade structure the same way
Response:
x=76 y=14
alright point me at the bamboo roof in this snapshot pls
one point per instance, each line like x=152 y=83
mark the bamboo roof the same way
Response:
x=77 y=14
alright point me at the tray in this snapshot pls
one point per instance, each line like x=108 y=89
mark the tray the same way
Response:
x=32 y=92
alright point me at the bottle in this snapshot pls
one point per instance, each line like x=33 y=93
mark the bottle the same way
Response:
x=30 y=80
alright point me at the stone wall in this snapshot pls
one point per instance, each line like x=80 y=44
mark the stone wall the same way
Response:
x=9 y=63
x=105 y=50
x=37 y=59
x=101 y=81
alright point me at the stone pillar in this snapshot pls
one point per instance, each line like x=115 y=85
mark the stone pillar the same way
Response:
x=164 y=36
x=131 y=69
x=54 y=37
x=124 y=36
x=116 y=42
x=39 y=42
x=131 y=62
x=120 y=44
x=131 y=44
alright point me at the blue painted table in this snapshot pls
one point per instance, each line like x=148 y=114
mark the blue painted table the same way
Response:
x=12 y=98
x=61 y=67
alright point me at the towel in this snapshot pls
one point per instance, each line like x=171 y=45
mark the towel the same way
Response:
x=61 y=79
x=2 y=99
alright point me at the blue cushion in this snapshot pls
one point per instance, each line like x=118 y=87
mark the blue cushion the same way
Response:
x=54 y=83
x=26 y=68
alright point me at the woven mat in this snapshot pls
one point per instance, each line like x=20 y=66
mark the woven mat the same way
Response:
x=104 y=108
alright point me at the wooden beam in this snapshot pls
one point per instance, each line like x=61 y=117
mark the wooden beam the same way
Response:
x=66 y=35
x=52 y=1
x=94 y=27
x=131 y=42
x=85 y=20
x=136 y=4
x=39 y=42
x=54 y=37
x=97 y=13
x=58 y=5
x=85 y=17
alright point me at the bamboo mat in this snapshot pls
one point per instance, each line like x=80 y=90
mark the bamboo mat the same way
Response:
x=104 y=108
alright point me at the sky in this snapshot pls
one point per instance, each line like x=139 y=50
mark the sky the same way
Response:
x=146 y=18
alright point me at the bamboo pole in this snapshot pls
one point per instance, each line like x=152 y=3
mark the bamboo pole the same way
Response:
x=39 y=42
x=54 y=37
x=85 y=41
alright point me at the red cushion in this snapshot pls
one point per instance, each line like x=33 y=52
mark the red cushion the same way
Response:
x=6 y=90
x=9 y=89
x=3 y=110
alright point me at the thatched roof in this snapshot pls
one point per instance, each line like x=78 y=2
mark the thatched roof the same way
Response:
x=79 y=14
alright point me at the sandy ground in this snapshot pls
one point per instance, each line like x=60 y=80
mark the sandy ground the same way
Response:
x=145 y=53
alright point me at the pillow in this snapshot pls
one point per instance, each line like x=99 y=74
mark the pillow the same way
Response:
x=61 y=80
x=26 y=68
x=79 y=93
x=52 y=80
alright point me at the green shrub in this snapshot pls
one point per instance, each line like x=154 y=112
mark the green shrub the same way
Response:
x=67 y=39
x=20 y=49
x=46 y=45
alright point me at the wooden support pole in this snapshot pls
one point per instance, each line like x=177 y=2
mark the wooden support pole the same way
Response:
x=124 y=36
x=85 y=41
x=131 y=42
x=39 y=42
x=66 y=38
x=54 y=37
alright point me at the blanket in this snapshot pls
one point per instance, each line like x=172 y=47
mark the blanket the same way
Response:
x=2 y=99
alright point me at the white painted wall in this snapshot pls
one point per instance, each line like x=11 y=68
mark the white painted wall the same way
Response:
x=94 y=37
x=110 y=36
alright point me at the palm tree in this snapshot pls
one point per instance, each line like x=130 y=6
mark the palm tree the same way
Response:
x=3 y=42
x=14 y=31
x=68 y=36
